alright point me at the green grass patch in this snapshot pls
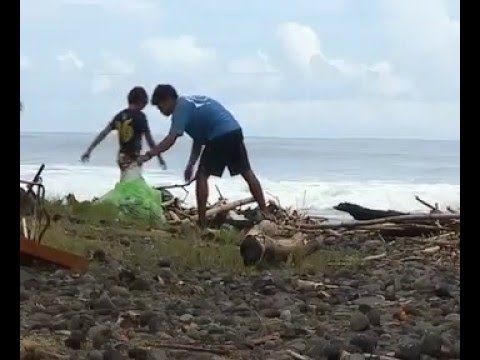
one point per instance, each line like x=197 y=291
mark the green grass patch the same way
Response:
x=85 y=227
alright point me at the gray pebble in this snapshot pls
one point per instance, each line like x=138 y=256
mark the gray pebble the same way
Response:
x=359 y=322
x=356 y=357
x=88 y=279
x=104 y=303
x=140 y=284
x=154 y=325
x=454 y=320
x=75 y=340
x=456 y=350
x=40 y=318
x=333 y=350
x=270 y=313
x=146 y=316
x=374 y=317
x=364 y=308
x=111 y=354
x=364 y=342
x=81 y=322
x=157 y=355
x=24 y=295
x=119 y=291
x=443 y=291
x=390 y=293
x=431 y=344
x=100 y=335
x=423 y=283
x=410 y=351
x=186 y=318
x=95 y=355
x=138 y=354
x=286 y=315
x=164 y=263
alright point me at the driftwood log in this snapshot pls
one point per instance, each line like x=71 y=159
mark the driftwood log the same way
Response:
x=226 y=207
x=262 y=244
x=391 y=219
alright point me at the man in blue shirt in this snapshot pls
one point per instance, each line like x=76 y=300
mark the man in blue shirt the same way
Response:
x=213 y=127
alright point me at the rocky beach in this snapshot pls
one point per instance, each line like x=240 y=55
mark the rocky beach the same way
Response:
x=155 y=294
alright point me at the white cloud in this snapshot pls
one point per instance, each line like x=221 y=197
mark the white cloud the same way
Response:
x=426 y=42
x=25 y=63
x=243 y=75
x=178 y=53
x=299 y=42
x=111 y=72
x=302 y=47
x=69 y=61
x=260 y=64
x=424 y=27
x=380 y=76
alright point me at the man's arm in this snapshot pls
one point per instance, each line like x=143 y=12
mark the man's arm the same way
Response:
x=194 y=153
x=180 y=119
x=151 y=144
x=162 y=146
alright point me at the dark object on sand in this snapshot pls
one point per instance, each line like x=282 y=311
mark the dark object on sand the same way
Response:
x=361 y=213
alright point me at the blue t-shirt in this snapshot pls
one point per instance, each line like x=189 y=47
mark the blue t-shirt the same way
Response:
x=202 y=118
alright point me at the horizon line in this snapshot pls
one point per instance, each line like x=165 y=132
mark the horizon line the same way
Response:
x=255 y=136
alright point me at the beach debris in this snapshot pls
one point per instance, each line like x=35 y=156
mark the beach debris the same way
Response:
x=294 y=235
x=34 y=219
x=34 y=222
x=289 y=235
x=47 y=254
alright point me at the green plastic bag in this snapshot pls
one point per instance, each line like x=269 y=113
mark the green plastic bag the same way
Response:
x=134 y=198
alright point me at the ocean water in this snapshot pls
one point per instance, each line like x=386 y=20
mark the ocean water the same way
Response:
x=308 y=174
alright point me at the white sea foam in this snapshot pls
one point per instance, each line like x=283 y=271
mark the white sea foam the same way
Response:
x=87 y=182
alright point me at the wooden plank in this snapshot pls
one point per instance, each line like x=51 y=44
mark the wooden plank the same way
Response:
x=51 y=255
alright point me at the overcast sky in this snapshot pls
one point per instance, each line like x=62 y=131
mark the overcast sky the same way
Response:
x=303 y=68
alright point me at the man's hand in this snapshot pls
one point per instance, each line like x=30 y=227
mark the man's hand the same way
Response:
x=143 y=158
x=85 y=157
x=162 y=162
x=188 y=173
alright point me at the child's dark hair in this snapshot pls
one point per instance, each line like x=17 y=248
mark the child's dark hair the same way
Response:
x=138 y=95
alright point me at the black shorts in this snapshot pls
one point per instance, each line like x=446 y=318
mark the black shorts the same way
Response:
x=225 y=151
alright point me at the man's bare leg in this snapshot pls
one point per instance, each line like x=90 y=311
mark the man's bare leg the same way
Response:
x=255 y=189
x=201 y=187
